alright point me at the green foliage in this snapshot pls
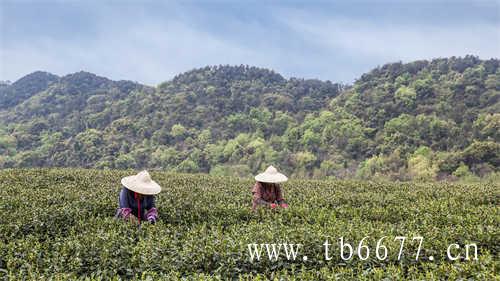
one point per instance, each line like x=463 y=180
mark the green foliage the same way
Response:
x=407 y=96
x=178 y=131
x=421 y=168
x=58 y=224
x=187 y=166
x=8 y=144
x=462 y=171
x=382 y=167
x=487 y=126
x=124 y=160
x=305 y=159
x=482 y=152
x=241 y=116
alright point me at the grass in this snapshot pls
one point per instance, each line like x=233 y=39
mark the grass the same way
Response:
x=58 y=224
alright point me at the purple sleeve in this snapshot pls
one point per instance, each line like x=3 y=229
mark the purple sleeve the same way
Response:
x=123 y=213
x=152 y=214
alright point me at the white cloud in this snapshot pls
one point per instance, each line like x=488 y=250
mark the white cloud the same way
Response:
x=384 y=41
x=146 y=52
x=135 y=45
x=142 y=49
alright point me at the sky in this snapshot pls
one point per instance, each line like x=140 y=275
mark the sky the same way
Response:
x=152 y=41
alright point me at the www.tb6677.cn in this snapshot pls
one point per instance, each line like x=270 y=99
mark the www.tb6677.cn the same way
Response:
x=346 y=250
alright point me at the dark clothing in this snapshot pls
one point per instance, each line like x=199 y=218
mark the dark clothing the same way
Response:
x=129 y=205
x=266 y=193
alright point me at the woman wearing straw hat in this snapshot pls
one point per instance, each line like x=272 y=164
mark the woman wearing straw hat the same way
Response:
x=137 y=200
x=267 y=191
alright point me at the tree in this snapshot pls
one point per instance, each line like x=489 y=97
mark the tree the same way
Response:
x=420 y=165
x=219 y=117
x=305 y=159
x=487 y=127
x=178 y=131
x=125 y=161
x=406 y=97
x=187 y=166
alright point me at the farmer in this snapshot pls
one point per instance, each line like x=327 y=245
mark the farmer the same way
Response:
x=136 y=198
x=266 y=191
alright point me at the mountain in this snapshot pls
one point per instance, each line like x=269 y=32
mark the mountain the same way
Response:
x=420 y=120
x=24 y=88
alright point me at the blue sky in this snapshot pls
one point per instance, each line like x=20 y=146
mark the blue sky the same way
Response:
x=151 y=41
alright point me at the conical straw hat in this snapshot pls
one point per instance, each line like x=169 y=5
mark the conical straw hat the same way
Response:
x=271 y=175
x=141 y=183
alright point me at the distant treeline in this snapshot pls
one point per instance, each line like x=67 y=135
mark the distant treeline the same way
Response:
x=424 y=120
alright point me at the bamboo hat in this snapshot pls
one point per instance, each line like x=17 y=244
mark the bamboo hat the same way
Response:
x=141 y=183
x=271 y=175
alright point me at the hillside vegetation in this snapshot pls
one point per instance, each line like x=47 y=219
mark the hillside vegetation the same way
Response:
x=58 y=224
x=422 y=120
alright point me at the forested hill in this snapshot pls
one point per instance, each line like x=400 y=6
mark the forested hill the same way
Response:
x=422 y=120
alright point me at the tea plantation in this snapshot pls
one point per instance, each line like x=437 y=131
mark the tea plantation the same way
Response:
x=59 y=224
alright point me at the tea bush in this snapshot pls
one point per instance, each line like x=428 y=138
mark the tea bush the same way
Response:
x=58 y=224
